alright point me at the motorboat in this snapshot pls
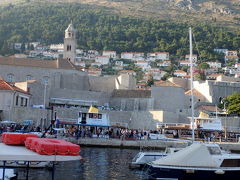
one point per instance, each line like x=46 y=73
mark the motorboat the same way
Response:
x=197 y=161
x=8 y=174
x=142 y=158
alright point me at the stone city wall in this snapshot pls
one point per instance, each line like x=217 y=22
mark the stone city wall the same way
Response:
x=103 y=84
x=36 y=114
x=168 y=98
x=101 y=98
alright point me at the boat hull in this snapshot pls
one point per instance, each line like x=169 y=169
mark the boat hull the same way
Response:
x=183 y=174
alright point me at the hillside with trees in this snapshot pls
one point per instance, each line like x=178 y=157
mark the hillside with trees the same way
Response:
x=99 y=28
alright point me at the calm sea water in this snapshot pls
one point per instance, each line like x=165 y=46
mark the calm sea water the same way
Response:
x=100 y=164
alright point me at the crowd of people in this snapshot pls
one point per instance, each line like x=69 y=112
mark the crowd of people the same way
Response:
x=117 y=132
x=15 y=127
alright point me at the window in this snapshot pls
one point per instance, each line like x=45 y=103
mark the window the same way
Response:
x=230 y=163
x=16 y=100
x=69 y=47
x=21 y=102
x=28 y=77
x=90 y=115
x=214 y=150
x=45 y=80
x=95 y=116
x=10 y=77
x=99 y=116
x=26 y=102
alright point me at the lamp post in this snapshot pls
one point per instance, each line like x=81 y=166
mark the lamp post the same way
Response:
x=225 y=122
x=44 y=95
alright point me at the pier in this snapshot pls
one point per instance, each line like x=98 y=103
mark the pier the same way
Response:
x=146 y=144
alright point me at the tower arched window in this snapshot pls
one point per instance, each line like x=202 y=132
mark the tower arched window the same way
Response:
x=10 y=77
x=69 y=47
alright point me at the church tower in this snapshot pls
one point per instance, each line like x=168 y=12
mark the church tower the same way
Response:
x=70 y=44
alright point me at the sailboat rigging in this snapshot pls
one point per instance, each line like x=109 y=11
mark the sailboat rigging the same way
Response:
x=191 y=79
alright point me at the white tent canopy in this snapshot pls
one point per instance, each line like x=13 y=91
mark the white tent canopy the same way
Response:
x=20 y=153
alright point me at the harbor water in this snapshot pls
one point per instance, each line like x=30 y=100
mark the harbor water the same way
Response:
x=99 y=164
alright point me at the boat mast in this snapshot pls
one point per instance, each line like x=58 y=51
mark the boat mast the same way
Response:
x=191 y=74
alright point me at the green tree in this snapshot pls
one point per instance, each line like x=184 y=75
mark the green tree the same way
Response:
x=232 y=103
x=203 y=66
x=150 y=82
x=231 y=62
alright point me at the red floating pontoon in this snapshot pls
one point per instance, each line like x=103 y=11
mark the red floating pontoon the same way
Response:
x=47 y=146
x=16 y=138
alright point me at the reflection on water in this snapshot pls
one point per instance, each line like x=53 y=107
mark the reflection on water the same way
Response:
x=100 y=164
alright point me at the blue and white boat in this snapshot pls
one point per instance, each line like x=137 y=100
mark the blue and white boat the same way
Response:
x=144 y=157
x=198 y=161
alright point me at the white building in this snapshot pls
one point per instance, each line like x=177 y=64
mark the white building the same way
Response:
x=80 y=63
x=162 y=55
x=156 y=73
x=194 y=57
x=57 y=47
x=180 y=73
x=237 y=66
x=164 y=63
x=186 y=63
x=12 y=96
x=17 y=46
x=132 y=55
x=118 y=63
x=158 y=56
x=35 y=53
x=102 y=59
x=129 y=72
x=110 y=54
x=49 y=54
x=98 y=64
x=118 y=68
x=220 y=51
x=143 y=65
x=214 y=65
x=213 y=76
x=231 y=55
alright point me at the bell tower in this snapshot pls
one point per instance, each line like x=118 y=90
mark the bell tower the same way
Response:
x=70 y=44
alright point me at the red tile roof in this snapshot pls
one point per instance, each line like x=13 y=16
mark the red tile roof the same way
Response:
x=195 y=93
x=27 y=62
x=9 y=87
